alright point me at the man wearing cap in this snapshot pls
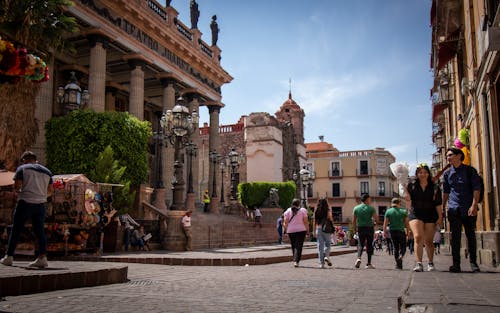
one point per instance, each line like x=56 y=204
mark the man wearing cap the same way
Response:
x=461 y=191
x=397 y=219
x=33 y=184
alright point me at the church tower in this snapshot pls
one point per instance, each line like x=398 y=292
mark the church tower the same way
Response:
x=291 y=119
x=292 y=113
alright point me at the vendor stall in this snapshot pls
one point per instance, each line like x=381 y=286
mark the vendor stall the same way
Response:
x=77 y=213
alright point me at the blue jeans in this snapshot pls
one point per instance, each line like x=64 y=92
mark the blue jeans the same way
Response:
x=324 y=243
x=23 y=211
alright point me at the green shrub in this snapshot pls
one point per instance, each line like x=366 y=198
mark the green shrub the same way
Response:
x=75 y=141
x=255 y=193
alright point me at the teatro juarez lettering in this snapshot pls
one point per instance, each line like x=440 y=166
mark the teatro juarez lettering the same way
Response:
x=152 y=44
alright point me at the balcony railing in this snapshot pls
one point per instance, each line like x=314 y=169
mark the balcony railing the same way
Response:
x=365 y=172
x=335 y=173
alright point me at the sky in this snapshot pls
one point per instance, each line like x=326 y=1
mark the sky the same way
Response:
x=360 y=69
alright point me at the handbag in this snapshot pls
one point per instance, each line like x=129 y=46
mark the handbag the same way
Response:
x=327 y=227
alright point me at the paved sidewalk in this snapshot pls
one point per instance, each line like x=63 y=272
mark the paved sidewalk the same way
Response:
x=91 y=270
x=272 y=287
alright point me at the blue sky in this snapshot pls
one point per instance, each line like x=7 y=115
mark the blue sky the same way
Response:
x=358 y=68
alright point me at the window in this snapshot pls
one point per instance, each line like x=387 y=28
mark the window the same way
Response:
x=381 y=214
x=337 y=213
x=336 y=190
x=364 y=187
x=381 y=188
x=335 y=169
x=363 y=167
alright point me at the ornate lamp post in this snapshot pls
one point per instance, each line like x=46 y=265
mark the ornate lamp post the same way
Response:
x=222 y=171
x=191 y=151
x=304 y=178
x=214 y=158
x=234 y=160
x=71 y=96
x=177 y=125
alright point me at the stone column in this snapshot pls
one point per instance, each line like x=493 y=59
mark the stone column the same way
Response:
x=43 y=112
x=213 y=145
x=168 y=103
x=97 y=73
x=136 y=91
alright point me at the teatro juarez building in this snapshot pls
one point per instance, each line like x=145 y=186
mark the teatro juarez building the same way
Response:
x=137 y=56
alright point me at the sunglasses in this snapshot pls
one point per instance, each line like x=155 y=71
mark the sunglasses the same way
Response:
x=422 y=165
x=450 y=154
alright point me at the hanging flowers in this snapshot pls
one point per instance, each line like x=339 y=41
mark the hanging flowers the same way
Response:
x=18 y=63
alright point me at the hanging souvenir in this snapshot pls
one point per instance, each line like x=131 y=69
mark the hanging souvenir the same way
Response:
x=466 y=152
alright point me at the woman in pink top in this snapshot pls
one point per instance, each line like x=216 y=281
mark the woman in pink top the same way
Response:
x=296 y=223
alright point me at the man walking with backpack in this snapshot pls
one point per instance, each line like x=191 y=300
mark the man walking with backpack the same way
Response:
x=461 y=192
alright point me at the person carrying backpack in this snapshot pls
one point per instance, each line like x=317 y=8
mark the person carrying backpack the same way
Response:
x=461 y=193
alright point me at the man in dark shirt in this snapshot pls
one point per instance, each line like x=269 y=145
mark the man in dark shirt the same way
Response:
x=461 y=188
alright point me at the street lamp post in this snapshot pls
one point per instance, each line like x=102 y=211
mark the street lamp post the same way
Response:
x=222 y=169
x=191 y=151
x=178 y=124
x=304 y=178
x=234 y=160
x=214 y=158
x=71 y=96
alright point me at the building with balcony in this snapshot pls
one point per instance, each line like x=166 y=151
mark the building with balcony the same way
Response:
x=465 y=95
x=343 y=176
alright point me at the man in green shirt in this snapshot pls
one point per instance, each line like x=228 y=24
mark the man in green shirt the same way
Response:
x=365 y=218
x=397 y=220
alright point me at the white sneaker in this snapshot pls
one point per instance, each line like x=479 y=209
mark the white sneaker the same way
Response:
x=358 y=263
x=369 y=266
x=295 y=264
x=40 y=262
x=430 y=267
x=322 y=266
x=419 y=267
x=7 y=260
x=327 y=260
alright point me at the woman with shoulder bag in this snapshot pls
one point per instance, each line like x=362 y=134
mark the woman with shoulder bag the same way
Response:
x=296 y=223
x=324 y=228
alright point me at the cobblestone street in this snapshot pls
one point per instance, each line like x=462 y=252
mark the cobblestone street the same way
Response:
x=273 y=288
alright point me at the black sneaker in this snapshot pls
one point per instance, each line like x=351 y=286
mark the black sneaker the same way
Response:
x=474 y=268
x=455 y=269
x=399 y=264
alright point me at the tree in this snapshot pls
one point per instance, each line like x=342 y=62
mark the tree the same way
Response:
x=39 y=26
x=109 y=170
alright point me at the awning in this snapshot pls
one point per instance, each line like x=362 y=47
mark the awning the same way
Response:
x=6 y=178
x=72 y=178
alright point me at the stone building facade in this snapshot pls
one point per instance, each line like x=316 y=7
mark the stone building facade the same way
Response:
x=343 y=176
x=466 y=66
x=271 y=147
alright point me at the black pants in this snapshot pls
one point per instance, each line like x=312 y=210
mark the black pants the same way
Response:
x=297 y=242
x=399 y=241
x=365 y=235
x=469 y=224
